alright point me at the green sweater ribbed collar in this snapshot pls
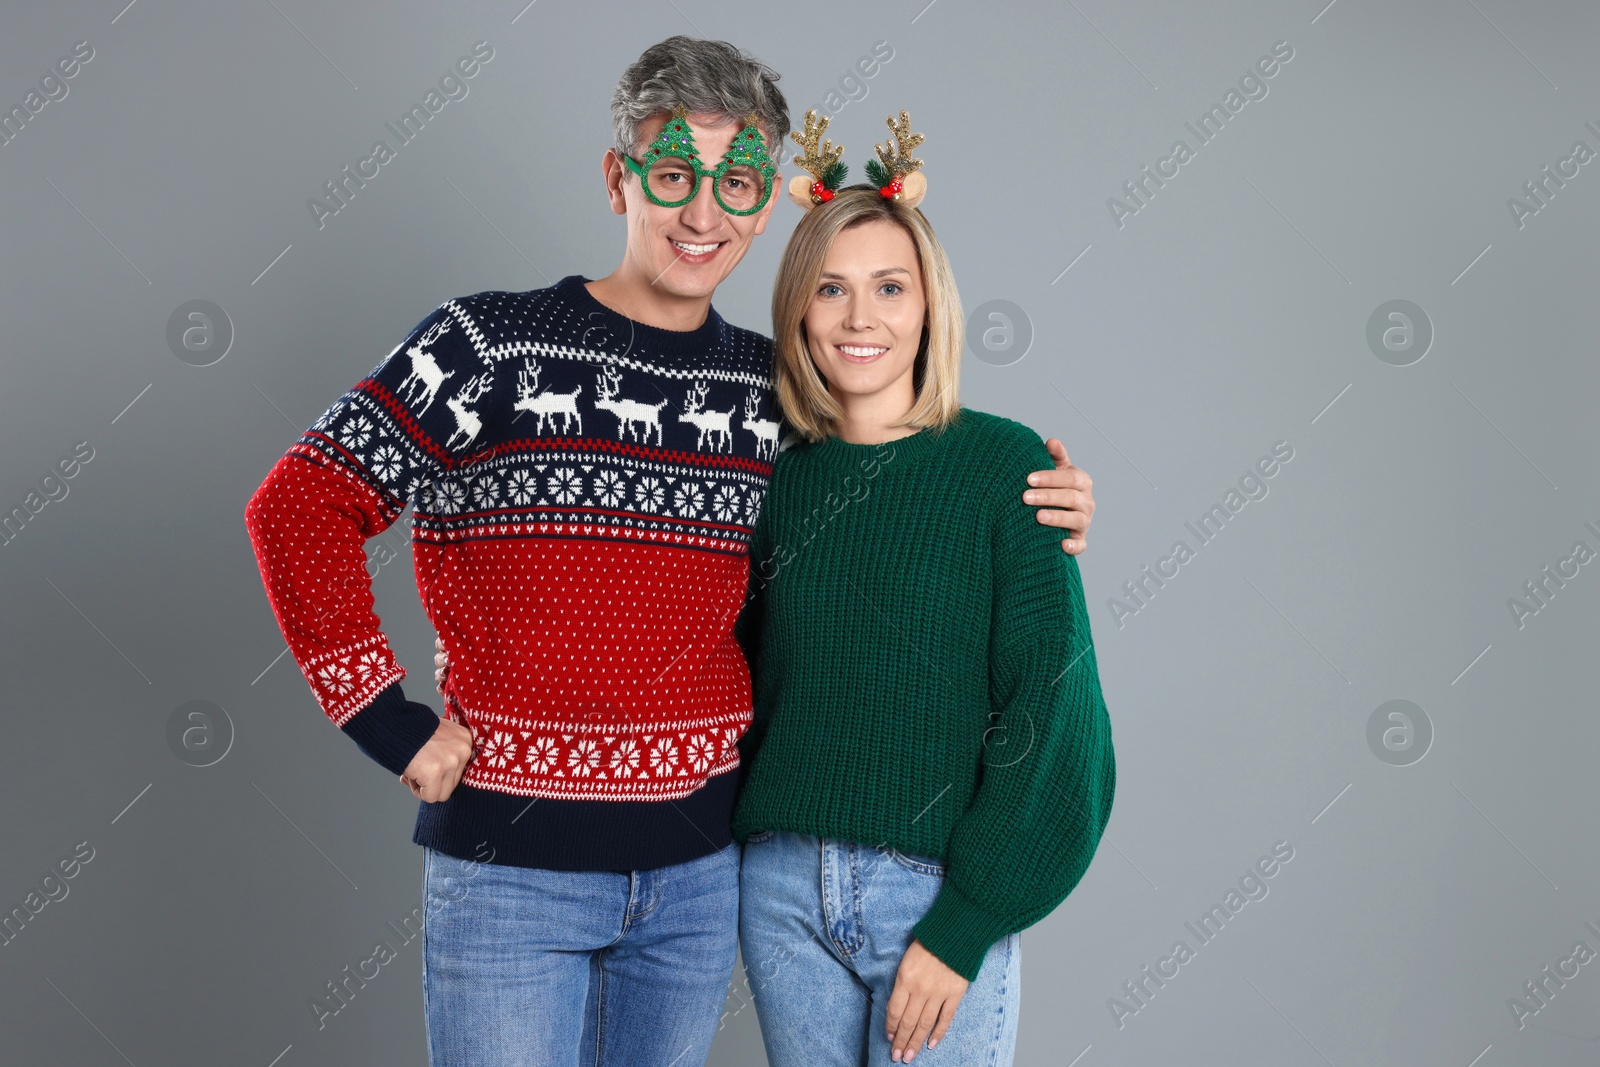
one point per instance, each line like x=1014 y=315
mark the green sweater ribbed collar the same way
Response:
x=834 y=449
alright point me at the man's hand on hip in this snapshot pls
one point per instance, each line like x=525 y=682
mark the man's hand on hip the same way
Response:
x=436 y=769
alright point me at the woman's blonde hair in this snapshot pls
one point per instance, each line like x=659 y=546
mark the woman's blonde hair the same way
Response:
x=802 y=392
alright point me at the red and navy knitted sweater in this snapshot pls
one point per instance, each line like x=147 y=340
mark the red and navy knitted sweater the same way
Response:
x=584 y=489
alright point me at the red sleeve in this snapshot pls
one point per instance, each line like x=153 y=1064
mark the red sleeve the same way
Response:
x=346 y=479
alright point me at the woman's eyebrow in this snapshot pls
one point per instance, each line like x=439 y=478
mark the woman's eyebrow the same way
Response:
x=874 y=274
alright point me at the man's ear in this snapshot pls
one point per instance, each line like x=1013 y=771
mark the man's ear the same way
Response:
x=766 y=212
x=614 y=172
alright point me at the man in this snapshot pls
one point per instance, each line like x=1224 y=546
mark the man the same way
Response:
x=587 y=462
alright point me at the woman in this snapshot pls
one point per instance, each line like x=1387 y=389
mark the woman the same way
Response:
x=930 y=764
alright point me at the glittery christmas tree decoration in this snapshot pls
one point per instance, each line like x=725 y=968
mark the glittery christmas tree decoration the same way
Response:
x=675 y=139
x=749 y=149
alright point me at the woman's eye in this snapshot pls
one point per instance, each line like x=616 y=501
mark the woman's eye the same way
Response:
x=892 y=285
x=829 y=290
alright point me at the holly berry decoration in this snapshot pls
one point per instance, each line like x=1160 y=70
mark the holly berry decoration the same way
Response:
x=890 y=184
x=823 y=188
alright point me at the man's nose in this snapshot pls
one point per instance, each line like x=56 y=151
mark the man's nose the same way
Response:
x=702 y=213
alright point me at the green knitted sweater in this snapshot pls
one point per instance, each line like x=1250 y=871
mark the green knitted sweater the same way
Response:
x=924 y=675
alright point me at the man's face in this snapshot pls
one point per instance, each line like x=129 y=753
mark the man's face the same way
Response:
x=685 y=251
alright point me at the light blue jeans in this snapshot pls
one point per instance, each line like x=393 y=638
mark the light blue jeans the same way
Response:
x=529 y=966
x=823 y=925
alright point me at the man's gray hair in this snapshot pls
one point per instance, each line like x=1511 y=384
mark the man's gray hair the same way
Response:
x=712 y=77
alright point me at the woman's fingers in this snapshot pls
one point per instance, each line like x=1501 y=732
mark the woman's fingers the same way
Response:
x=901 y=1023
x=914 y=1027
x=899 y=1001
x=947 y=1015
x=926 y=993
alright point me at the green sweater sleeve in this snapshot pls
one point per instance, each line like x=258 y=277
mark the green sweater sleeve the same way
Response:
x=1048 y=776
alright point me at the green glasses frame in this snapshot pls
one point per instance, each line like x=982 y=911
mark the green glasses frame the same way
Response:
x=677 y=140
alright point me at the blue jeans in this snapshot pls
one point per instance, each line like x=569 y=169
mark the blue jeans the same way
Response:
x=823 y=925
x=545 y=968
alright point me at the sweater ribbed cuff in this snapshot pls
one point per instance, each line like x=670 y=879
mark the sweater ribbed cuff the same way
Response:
x=959 y=931
x=391 y=729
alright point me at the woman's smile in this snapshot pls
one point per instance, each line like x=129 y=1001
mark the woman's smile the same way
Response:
x=858 y=353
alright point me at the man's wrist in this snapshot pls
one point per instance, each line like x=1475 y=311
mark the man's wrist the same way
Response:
x=392 y=730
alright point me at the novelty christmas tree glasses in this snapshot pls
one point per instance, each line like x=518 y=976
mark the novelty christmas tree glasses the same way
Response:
x=670 y=171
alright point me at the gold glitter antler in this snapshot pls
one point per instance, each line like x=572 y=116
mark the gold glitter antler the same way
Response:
x=821 y=162
x=900 y=162
x=812 y=158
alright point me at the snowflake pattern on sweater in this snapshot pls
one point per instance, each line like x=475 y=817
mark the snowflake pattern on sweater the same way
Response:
x=584 y=491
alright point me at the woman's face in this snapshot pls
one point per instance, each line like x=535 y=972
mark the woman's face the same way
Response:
x=864 y=324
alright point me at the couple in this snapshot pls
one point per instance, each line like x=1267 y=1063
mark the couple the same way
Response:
x=606 y=548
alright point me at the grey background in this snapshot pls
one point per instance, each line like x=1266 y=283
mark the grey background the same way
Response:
x=1228 y=314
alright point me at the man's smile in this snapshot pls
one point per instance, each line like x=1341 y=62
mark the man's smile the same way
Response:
x=696 y=252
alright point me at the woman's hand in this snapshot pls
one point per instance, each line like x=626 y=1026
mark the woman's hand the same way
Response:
x=441 y=663
x=926 y=993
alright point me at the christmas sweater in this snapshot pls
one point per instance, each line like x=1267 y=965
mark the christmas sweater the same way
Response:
x=584 y=488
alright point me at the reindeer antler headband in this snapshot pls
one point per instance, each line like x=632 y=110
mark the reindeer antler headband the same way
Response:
x=895 y=172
